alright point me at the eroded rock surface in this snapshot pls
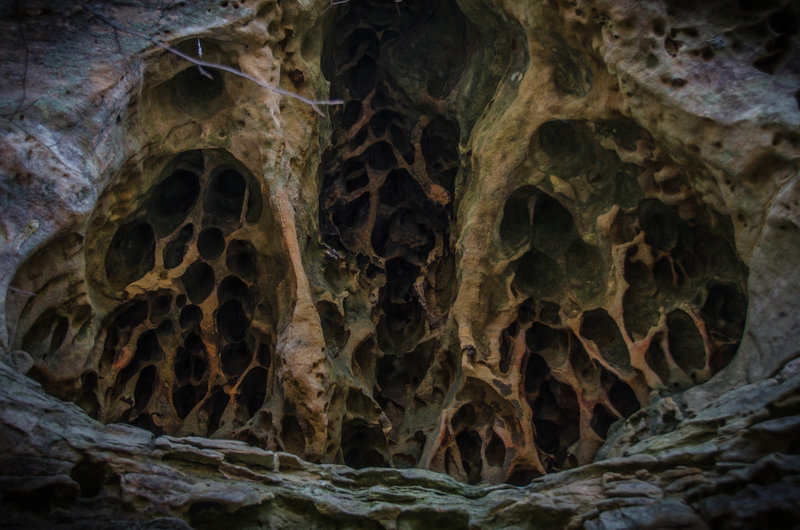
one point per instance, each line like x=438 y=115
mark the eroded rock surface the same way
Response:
x=533 y=236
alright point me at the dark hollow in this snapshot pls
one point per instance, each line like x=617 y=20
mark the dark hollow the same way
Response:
x=439 y=145
x=333 y=328
x=225 y=195
x=567 y=146
x=538 y=275
x=515 y=226
x=131 y=314
x=469 y=446
x=623 y=399
x=585 y=270
x=192 y=89
x=241 y=259
x=292 y=435
x=400 y=326
x=656 y=360
x=400 y=277
x=89 y=475
x=495 y=451
x=358 y=445
x=601 y=420
x=660 y=223
x=724 y=311
x=210 y=243
x=131 y=254
x=598 y=326
x=253 y=389
x=400 y=187
x=232 y=288
x=536 y=371
x=49 y=325
x=236 y=358
x=198 y=280
x=353 y=214
x=191 y=360
x=147 y=347
x=190 y=316
x=185 y=398
x=160 y=307
x=546 y=341
x=175 y=250
x=263 y=356
x=361 y=79
x=351 y=113
x=214 y=406
x=381 y=121
x=173 y=199
x=685 y=342
x=355 y=174
x=553 y=226
x=359 y=43
x=232 y=321
x=380 y=156
x=546 y=436
x=148 y=379
x=255 y=204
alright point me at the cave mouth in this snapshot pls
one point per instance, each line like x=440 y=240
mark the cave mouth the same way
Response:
x=191 y=349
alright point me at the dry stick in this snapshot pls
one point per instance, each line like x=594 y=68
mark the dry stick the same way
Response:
x=335 y=3
x=206 y=64
x=23 y=291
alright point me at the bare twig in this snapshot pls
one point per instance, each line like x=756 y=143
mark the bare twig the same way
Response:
x=335 y=3
x=314 y=103
x=23 y=291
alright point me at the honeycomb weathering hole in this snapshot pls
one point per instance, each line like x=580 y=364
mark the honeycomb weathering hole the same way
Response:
x=173 y=199
x=131 y=253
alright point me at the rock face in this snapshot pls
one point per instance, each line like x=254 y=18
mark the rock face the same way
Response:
x=526 y=241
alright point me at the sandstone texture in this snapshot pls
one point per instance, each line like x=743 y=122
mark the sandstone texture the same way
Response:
x=548 y=249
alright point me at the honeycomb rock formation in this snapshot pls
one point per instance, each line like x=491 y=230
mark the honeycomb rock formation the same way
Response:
x=202 y=330
x=545 y=248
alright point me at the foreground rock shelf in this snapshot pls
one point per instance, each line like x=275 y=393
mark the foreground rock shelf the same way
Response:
x=733 y=464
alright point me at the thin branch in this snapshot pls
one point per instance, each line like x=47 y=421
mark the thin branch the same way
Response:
x=335 y=3
x=216 y=66
x=23 y=291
